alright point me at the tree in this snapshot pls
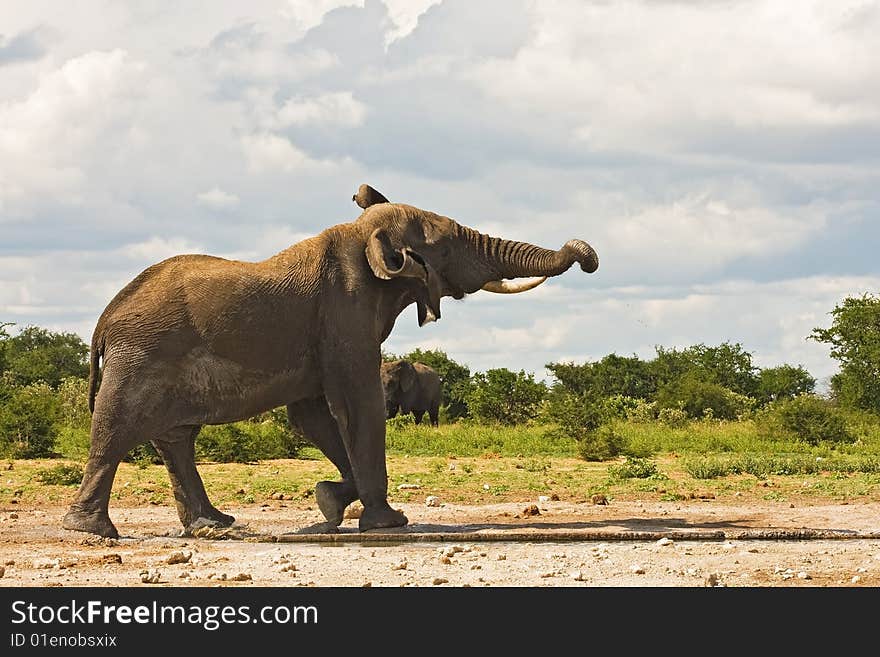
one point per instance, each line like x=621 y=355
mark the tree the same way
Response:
x=500 y=395
x=37 y=354
x=454 y=378
x=612 y=375
x=28 y=416
x=783 y=382
x=4 y=336
x=576 y=379
x=695 y=395
x=727 y=365
x=854 y=336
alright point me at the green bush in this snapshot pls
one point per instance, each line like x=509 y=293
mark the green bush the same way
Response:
x=72 y=442
x=696 y=396
x=807 y=418
x=854 y=337
x=143 y=455
x=575 y=416
x=643 y=411
x=675 y=418
x=28 y=417
x=264 y=437
x=619 y=407
x=73 y=400
x=37 y=354
x=400 y=421
x=62 y=474
x=783 y=382
x=506 y=397
x=601 y=444
x=707 y=467
x=634 y=468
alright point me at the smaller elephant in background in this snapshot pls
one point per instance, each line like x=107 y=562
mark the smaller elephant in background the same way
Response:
x=411 y=388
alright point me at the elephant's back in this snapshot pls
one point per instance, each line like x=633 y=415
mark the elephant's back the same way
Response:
x=230 y=308
x=151 y=305
x=426 y=371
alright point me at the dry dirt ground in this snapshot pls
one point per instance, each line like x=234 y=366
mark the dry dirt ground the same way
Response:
x=672 y=544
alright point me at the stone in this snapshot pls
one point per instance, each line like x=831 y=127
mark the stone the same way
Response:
x=45 y=563
x=179 y=557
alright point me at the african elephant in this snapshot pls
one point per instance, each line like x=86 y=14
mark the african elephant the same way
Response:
x=197 y=339
x=411 y=388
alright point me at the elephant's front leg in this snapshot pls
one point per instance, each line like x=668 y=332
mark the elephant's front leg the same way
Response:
x=354 y=395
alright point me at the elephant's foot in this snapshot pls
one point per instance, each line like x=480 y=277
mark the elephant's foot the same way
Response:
x=224 y=519
x=319 y=528
x=94 y=522
x=333 y=497
x=210 y=517
x=381 y=517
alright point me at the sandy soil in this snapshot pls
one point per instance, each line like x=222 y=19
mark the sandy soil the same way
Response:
x=697 y=543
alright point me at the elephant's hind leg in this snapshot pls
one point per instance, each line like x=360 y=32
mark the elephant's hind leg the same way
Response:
x=177 y=448
x=110 y=442
x=313 y=418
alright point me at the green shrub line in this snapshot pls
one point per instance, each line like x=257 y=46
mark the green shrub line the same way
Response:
x=709 y=404
x=63 y=474
x=764 y=465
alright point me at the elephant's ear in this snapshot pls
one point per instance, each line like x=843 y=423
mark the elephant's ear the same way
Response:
x=388 y=262
x=367 y=196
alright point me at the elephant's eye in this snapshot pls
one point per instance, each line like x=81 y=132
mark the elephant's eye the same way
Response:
x=444 y=250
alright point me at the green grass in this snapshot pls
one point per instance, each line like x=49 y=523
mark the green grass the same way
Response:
x=470 y=463
x=472 y=439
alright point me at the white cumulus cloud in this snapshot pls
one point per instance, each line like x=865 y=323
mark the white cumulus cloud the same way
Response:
x=218 y=199
x=338 y=108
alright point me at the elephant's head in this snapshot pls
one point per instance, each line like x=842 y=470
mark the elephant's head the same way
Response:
x=398 y=378
x=444 y=258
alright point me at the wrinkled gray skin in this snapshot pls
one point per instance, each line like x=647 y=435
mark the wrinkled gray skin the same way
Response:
x=411 y=388
x=197 y=340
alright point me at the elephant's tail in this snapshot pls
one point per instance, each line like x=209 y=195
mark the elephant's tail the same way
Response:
x=95 y=353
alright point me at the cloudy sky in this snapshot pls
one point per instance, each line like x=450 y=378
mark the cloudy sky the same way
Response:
x=722 y=157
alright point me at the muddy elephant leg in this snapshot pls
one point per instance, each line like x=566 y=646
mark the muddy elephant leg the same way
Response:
x=354 y=396
x=111 y=440
x=313 y=418
x=418 y=416
x=177 y=448
x=434 y=415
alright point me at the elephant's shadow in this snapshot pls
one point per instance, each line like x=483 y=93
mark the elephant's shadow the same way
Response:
x=543 y=530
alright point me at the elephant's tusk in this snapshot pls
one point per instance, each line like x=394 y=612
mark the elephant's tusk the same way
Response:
x=513 y=287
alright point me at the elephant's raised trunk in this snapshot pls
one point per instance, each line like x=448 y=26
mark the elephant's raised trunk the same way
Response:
x=510 y=259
